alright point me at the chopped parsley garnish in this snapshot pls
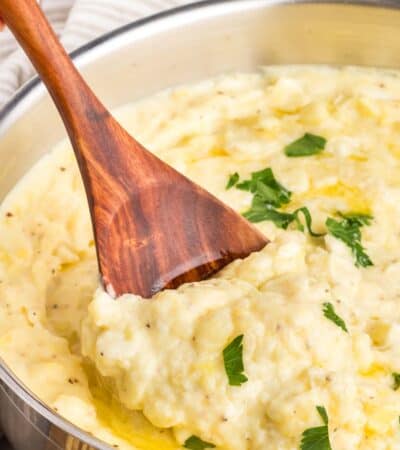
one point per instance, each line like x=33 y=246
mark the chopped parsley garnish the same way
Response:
x=307 y=217
x=361 y=219
x=317 y=438
x=233 y=361
x=269 y=195
x=329 y=313
x=232 y=181
x=260 y=211
x=396 y=380
x=308 y=145
x=265 y=187
x=195 y=443
x=348 y=230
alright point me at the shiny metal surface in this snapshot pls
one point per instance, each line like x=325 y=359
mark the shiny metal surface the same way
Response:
x=185 y=45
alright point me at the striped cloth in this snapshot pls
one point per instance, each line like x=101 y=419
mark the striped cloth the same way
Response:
x=76 y=22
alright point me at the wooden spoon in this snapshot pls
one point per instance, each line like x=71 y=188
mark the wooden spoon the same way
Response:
x=153 y=227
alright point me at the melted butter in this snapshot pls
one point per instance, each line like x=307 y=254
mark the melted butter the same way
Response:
x=374 y=370
x=358 y=158
x=379 y=420
x=394 y=149
x=207 y=367
x=131 y=426
x=218 y=152
x=353 y=196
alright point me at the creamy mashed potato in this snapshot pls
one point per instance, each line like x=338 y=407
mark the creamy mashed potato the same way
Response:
x=149 y=374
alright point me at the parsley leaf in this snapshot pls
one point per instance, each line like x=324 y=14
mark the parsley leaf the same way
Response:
x=233 y=361
x=261 y=211
x=348 y=231
x=195 y=443
x=317 y=438
x=307 y=216
x=360 y=219
x=396 y=380
x=308 y=145
x=324 y=416
x=269 y=195
x=232 y=181
x=329 y=313
x=264 y=185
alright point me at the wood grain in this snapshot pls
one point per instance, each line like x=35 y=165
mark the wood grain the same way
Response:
x=153 y=227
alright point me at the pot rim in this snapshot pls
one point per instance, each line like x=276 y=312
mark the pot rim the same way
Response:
x=35 y=85
x=93 y=44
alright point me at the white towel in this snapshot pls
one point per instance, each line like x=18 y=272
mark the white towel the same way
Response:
x=76 y=22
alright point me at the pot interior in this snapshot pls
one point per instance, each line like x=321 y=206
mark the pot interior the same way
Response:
x=198 y=42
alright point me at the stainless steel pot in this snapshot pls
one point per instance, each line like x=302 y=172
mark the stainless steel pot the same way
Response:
x=181 y=46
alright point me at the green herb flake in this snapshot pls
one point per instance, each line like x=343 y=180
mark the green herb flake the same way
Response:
x=317 y=438
x=396 y=380
x=308 y=145
x=307 y=217
x=266 y=188
x=360 y=219
x=269 y=195
x=348 y=230
x=195 y=443
x=261 y=211
x=233 y=361
x=232 y=181
x=324 y=416
x=329 y=313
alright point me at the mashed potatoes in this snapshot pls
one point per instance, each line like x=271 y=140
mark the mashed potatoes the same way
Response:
x=152 y=374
